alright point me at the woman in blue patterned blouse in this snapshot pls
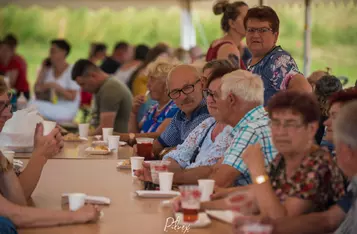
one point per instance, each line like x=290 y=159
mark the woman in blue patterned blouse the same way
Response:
x=160 y=114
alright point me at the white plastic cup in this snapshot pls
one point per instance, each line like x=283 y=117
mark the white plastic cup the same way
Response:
x=9 y=155
x=136 y=164
x=206 y=187
x=165 y=180
x=113 y=142
x=83 y=130
x=256 y=229
x=76 y=201
x=48 y=126
x=107 y=132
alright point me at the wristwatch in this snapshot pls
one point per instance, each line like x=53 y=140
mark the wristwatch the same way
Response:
x=5 y=165
x=261 y=179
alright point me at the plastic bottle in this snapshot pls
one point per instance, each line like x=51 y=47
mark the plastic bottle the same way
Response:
x=21 y=102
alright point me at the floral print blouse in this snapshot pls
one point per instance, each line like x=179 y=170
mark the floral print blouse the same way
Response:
x=210 y=151
x=276 y=70
x=318 y=179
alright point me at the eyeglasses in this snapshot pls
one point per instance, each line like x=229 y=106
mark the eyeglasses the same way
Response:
x=287 y=126
x=208 y=92
x=187 y=89
x=259 y=30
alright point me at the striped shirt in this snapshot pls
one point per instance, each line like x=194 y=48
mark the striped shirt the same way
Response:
x=349 y=225
x=252 y=128
x=180 y=126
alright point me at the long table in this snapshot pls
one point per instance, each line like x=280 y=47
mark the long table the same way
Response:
x=76 y=150
x=127 y=213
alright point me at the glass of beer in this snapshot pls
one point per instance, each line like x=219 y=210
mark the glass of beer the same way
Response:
x=144 y=146
x=190 y=202
x=156 y=167
x=242 y=202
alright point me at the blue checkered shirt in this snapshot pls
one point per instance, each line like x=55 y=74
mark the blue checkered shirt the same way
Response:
x=252 y=128
x=181 y=126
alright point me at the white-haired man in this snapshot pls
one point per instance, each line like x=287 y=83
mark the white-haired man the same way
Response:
x=238 y=102
x=345 y=140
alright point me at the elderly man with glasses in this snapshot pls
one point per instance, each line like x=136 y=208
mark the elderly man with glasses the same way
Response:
x=185 y=89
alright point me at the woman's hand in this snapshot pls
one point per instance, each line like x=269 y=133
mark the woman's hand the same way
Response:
x=137 y=102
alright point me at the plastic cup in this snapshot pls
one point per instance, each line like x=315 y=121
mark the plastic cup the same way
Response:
x=83 y=130
x=190 y=202
x=113 y=142
x=242 y=201
x=144 y=147
x=48 y=126
x=256 y=229
x=136 y=164
x=107 y=132
x=206 y=187
x=9 y=155
x=165 y=179
x=76 y=201
x=156 y=167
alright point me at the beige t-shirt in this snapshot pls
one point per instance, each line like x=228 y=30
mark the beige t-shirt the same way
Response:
x=113 y=96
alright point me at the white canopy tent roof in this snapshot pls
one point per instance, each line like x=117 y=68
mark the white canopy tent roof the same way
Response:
x=188 y=32
x=119 y=4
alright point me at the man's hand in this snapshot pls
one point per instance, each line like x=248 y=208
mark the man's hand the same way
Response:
x=47 y=146
x=145 y=173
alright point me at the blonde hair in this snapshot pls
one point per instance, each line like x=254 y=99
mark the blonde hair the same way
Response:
x=161 y=67
x=244 y=84
x=3 y=86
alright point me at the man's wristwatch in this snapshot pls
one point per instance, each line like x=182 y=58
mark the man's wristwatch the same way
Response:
x=261 y=179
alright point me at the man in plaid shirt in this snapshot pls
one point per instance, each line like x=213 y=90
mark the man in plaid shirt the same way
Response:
x=240 y=104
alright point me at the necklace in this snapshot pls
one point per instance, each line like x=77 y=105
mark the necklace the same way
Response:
x=162 y=108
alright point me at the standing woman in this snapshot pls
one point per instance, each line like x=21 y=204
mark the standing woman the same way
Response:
x=233 y=26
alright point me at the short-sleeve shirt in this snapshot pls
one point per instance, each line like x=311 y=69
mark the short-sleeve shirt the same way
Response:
x=210 y=151
x=152 y=122
x=113 y=96
x=276 y=70
x=66 y=82
x=318 y=179
x=181 y=126
x=251 y=129
x=18 y=64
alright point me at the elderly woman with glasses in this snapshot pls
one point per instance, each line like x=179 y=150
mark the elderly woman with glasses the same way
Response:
x=276 y=66
x=303 y=177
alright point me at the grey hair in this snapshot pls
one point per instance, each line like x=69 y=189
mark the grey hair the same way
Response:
x=345 y=125
x=244 y=84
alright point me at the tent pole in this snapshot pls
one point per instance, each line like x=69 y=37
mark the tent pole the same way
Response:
x=307 y=38
x=188 y=33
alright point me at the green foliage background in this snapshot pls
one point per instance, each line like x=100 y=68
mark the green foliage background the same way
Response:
x=334 y=31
